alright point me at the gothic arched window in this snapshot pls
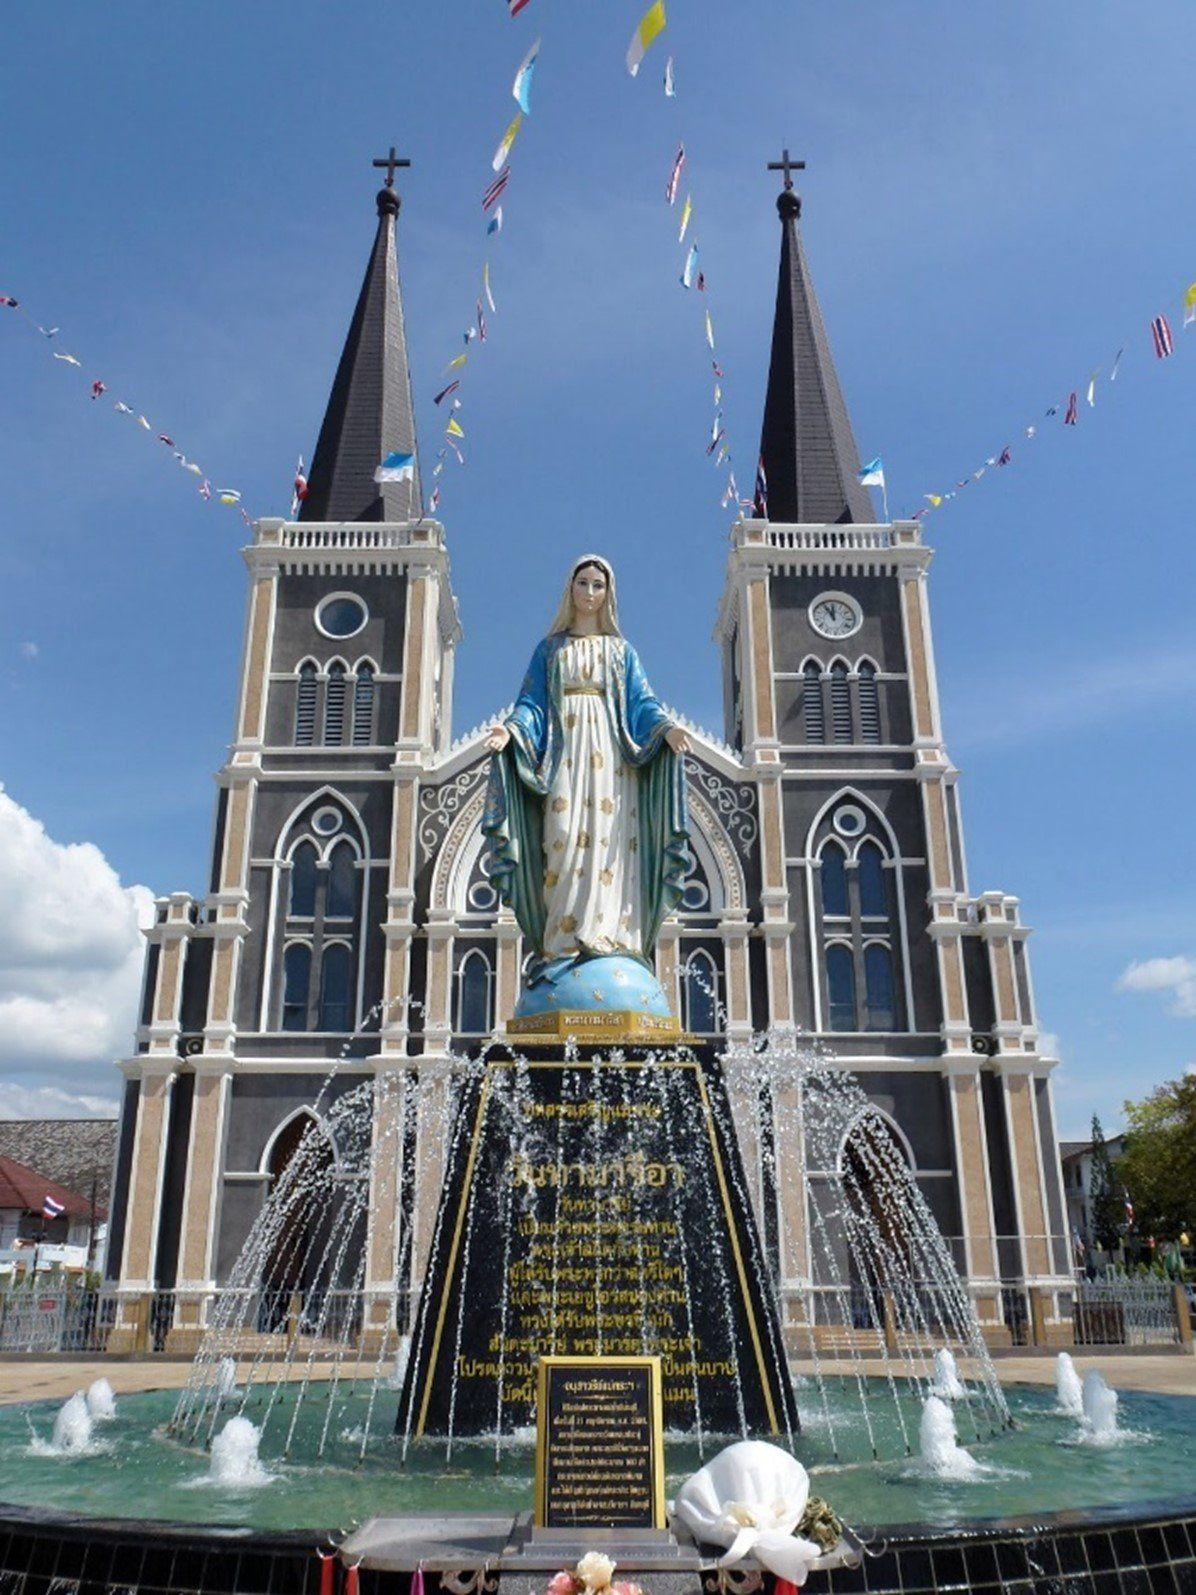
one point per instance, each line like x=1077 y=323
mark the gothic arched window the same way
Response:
x=840 y=702
x=840 y=986
x=834 y=881
x=305 y=706
x=700 y=994
x=340 y=901
x=813 y=717
x=869 y=703
x=880 y=1009
x=870 y=873
x=859 y=923
x=319 y=921
x=336 y=987
x=475 y=980
x=334 y=706
x=304 y=879
x=296 y=986
x=363 y=706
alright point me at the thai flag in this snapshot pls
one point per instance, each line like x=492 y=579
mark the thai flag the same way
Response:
x=1005 y=456
x=1073 y=413
x=1160 y=331
x=516 y=6
x=51 y=1208
x=760 y=502
x=494 y=192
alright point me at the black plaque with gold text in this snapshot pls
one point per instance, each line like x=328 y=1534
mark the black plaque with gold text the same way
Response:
x=599 y=1443
x=595 y=1209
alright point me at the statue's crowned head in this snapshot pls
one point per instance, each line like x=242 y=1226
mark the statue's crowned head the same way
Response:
x=590 y=587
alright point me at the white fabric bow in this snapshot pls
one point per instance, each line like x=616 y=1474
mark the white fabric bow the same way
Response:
x=750 y=1498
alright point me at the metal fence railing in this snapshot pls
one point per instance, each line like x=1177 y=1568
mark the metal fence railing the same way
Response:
x=1125 y=1311
x=53 y=1315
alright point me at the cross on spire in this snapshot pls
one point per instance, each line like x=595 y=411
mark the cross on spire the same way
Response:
x=783 y=165
x=390 y=162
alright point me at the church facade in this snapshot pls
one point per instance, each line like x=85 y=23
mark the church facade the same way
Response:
x=349 y=924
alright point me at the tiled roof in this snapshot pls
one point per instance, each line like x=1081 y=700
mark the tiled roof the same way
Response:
x=72 y=1152
x=24 y=1190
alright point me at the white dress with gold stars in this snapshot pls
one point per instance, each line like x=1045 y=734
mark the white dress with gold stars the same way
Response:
x=591 y=861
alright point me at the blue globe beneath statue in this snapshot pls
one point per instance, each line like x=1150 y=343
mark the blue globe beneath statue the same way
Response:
x=615 y=997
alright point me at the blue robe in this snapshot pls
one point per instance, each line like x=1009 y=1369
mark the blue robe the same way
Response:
x=523 y=773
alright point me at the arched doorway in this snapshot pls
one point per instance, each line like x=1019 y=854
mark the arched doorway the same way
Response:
x=875 y=1173
x=298 y=1264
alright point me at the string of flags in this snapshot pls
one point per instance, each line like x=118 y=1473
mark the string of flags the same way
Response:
x=450 y=396
x=97 y=388
x=649 y=28
x=1163 y=344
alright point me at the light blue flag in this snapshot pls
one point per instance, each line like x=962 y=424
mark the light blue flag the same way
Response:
x=396 y=468
x=691 y=266
x=873 y=474
x=522 y=86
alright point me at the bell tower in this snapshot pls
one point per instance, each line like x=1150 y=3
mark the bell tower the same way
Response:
x=873 y=944
x=300 y=954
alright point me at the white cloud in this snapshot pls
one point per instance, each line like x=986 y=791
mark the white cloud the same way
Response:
x=30 y=650
x=1098 y=691
x=1175 y=976
x=49 y=1102
x=70 y=967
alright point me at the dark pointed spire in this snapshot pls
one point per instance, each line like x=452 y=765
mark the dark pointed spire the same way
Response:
x=369 y=411
x=810 y=458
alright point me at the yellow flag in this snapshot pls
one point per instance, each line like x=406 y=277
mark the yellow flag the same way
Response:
x=651 y=26
x=456 y=364
x=453 y=429
x=508 y=138
x=687 y=211
x=1190 y=305
x=935 y=498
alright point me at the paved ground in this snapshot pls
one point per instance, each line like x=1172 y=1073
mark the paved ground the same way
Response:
x=44 y=1379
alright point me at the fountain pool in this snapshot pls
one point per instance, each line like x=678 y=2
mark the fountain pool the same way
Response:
x=1039 y=1465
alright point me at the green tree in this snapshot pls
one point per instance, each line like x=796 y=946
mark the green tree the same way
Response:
x=1158 y=1166
x=1108 y=1206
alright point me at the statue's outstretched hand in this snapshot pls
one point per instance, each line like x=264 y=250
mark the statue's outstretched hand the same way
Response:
x=497 y=738
x=678 y=740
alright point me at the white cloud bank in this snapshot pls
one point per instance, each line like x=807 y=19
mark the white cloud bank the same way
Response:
x=1174 y=976
x=70 y=970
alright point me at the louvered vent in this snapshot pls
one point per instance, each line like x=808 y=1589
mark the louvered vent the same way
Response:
x=363 y=707
x=334 y=708
x=869 y=705
x=811 y=703
x=305 y=708
x=840 y=703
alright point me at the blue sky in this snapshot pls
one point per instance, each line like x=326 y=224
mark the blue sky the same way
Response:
x=997 y=199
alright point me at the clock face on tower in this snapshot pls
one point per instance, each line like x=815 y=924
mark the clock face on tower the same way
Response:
x=835 y=615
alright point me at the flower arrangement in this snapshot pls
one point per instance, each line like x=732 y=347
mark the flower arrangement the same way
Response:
x=593 y=1575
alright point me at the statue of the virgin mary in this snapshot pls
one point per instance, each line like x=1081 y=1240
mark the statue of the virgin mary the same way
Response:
x=585 y=812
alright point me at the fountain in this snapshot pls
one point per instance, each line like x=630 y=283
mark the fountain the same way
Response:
x=1099 y=1419
x=1068 y=1390
x=101 y=1401
x=939 y=1447
x=72 y=1432
x=234 y=1462
x=948 y=1386
x=296 y=1400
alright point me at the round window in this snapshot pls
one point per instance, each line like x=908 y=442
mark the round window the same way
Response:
x=849 y=820
x=341 y=615
x=326 y=821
